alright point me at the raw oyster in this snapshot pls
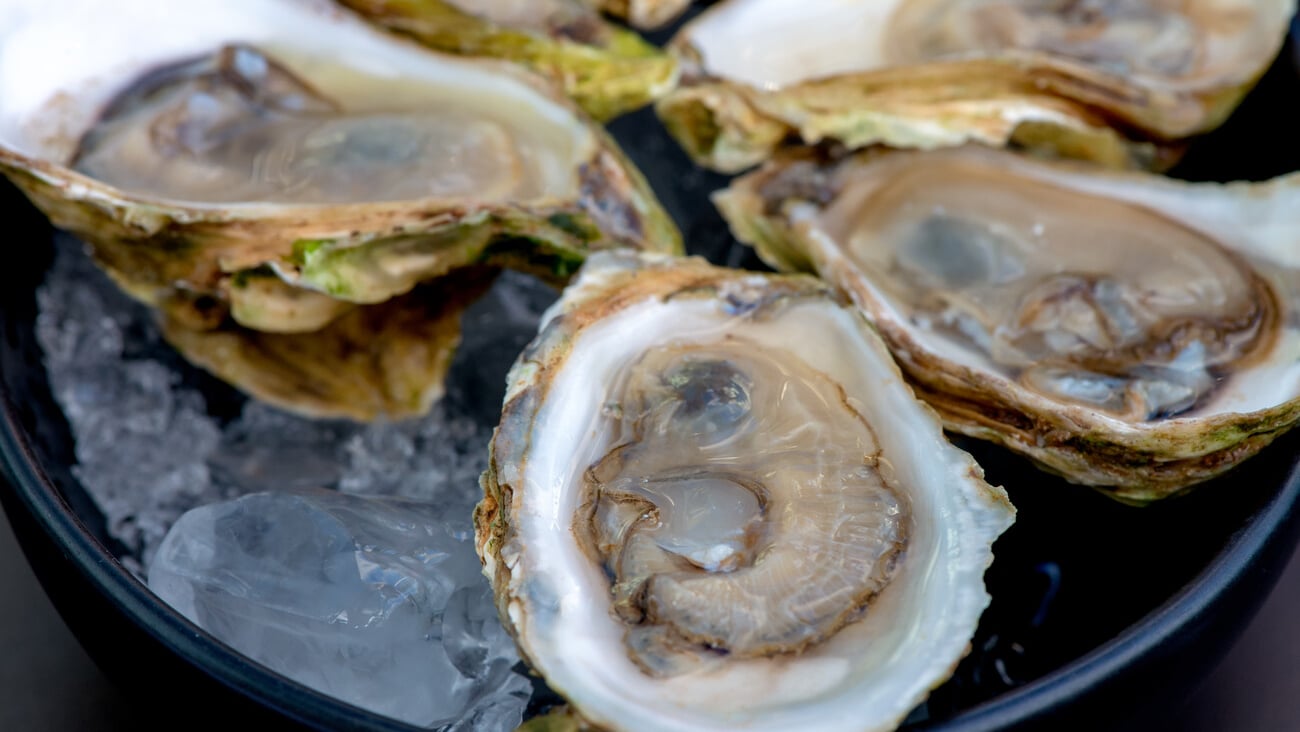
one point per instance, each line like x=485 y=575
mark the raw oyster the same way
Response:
x=203 y=153
x=1119 y=82
x=644 y=14
x=1125 y=330
x=713 y=503
x=605 y=69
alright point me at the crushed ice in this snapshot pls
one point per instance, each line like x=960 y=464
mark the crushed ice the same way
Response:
x=151 y=445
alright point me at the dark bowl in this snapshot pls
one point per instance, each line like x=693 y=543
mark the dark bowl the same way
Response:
x=1100 y=612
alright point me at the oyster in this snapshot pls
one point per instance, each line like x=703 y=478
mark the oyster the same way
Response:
x=1124 y=330
x=645 y=14
x=1116 y=82
x=712 y=503
x=199 y=152
x=607 y=70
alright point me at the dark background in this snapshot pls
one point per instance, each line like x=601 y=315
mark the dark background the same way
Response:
x=48 y=684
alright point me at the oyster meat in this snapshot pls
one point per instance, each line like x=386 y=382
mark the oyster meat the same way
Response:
x=606 y=69
x=1123 y=329
x=713 y=503
x=1119 y=82
x=204 y=155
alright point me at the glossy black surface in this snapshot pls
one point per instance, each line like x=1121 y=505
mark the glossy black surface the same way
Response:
x=1098 y=608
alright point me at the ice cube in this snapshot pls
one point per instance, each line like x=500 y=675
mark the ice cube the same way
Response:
x=377 y=601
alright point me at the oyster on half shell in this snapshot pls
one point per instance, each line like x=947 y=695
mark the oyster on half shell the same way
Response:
x=606 y=69
x=1116 y=81
x=1123 y=329
x=279 y=163
x=713 y=503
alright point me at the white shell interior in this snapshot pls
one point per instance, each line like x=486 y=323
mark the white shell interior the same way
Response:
x=869 y=675
x=1255 y=220
x=62 y=61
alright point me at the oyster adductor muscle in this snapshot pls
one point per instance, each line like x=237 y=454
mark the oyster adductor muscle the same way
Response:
x=713 y=502
x=1125 y=330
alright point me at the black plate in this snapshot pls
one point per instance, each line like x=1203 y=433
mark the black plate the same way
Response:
x=1099 y=610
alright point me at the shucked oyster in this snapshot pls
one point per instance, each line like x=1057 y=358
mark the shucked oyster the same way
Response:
x=607 y=70
x=713 y=503
x=201 y=152
x=1124 y=330
x=1057 y=74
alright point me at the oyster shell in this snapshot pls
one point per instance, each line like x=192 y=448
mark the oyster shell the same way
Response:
x=559 y=185
x=607 y=70
x=1116 y=82
x=1125 y=330
x=387 y=360
x=203 y=153
x=691 y=525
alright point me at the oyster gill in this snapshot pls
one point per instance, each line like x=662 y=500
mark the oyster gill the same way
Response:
x=1125 y=330
x=690 y=525
x=931 y=73
x=606 y=69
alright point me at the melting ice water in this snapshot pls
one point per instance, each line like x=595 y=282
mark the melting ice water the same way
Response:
x=148 y=451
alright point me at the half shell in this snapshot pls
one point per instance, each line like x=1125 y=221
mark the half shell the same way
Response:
x=574 y=192
x=713 y=503
x=270 y=165
x=1115 y=82
x=1125 y=330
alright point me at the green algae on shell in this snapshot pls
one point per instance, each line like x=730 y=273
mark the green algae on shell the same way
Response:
x=607 y=70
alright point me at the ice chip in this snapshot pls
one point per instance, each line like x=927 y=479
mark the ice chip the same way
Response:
x=377 y=601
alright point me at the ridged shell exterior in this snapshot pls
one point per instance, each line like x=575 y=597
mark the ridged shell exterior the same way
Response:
x=607 y=70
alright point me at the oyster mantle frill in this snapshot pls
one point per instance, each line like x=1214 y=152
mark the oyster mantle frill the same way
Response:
x=713 y=503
